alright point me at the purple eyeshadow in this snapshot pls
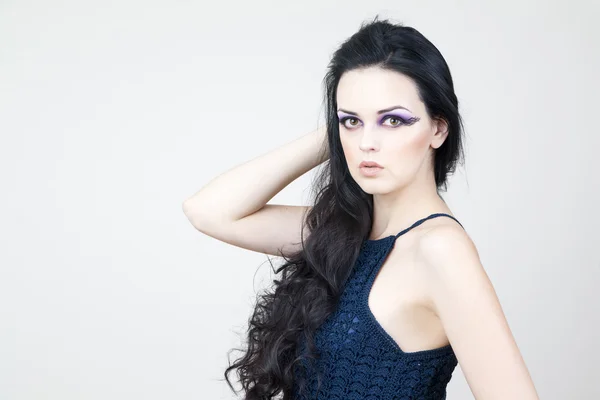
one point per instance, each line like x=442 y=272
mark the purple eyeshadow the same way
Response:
x=404 y=116
x=342 y=115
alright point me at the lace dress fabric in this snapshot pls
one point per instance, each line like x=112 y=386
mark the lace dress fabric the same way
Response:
x=359 y=359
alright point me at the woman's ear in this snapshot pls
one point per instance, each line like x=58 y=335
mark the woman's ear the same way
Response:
x=440 y=132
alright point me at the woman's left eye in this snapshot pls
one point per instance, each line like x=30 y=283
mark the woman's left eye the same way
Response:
x=392 y=118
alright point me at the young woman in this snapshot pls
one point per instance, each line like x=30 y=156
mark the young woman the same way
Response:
x=382 y=292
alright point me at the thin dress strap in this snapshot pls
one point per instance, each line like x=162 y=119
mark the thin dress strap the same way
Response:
x=419 y=222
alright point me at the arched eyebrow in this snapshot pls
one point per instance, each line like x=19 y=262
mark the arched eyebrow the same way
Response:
x=378 y=112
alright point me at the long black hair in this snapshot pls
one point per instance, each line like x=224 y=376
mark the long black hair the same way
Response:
x=341 y=218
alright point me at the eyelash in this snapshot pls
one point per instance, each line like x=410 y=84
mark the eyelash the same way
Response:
x=402 y=122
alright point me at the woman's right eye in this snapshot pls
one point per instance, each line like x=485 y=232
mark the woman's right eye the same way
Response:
x=343 y=120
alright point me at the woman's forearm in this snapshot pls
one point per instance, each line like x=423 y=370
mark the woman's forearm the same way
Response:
x=246 y=188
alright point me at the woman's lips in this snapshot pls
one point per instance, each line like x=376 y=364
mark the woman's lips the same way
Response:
x=370 y=171
x=369 y=164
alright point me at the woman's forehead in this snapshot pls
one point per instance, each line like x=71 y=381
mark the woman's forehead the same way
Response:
x=367 y=91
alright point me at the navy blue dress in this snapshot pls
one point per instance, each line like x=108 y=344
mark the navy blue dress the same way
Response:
x=358 y=359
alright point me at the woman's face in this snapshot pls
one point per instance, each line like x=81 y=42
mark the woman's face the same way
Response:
x=401 y=138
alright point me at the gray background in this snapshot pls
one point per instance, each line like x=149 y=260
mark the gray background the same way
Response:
x=114 y=112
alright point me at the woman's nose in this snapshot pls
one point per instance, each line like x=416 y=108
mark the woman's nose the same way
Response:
x=369 y=139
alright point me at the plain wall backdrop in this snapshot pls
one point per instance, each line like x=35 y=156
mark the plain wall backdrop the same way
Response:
x=112 y=113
